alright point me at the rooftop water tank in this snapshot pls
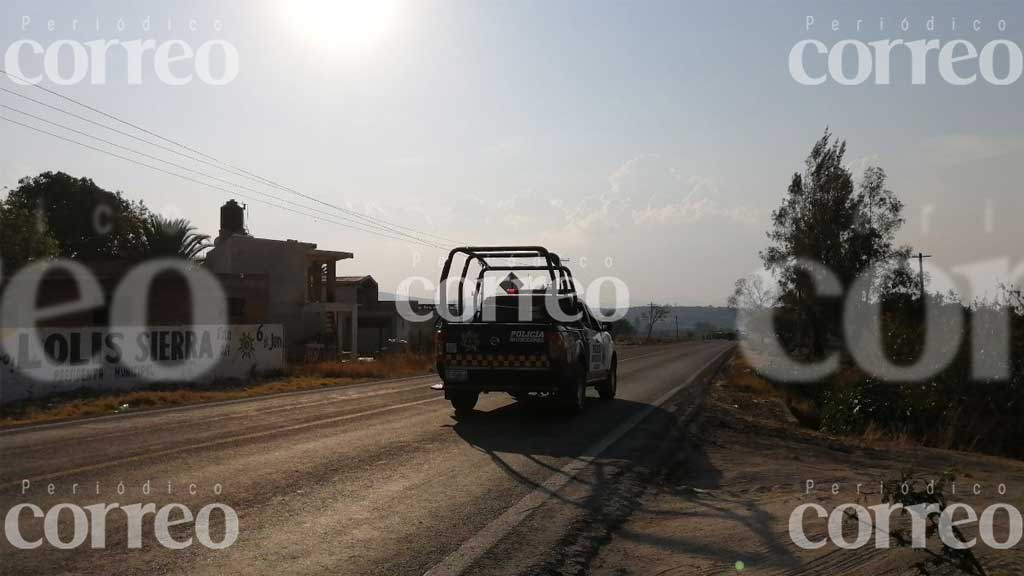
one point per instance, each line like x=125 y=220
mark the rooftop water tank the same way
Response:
x=232 y=219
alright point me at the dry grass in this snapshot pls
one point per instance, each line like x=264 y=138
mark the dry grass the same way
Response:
x=950 y=434
x=303 y=377
x=804 y=410
x=390 y=367
x=741 y=376
x=876 y=437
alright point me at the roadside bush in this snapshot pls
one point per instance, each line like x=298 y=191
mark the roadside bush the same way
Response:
x=952 y=410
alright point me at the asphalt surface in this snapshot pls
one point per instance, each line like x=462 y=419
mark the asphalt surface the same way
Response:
x=366 y=479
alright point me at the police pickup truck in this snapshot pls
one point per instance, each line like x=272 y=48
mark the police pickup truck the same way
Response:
x=528 y=343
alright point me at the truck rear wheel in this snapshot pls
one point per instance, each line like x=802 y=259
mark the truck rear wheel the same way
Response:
x=606 y=390
x=573 y=394
x=464 y=402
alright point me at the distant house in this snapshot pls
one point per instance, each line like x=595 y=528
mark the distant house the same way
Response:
x=324 y=315
x=266 y=281
x=300 y=291
x=381 y=326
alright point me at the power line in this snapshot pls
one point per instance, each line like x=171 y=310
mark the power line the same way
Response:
x=225 y=190
x=219 y=163
x=104 y=126
x=186 y=168
x=214 y=186
x=352 y=224
x=134 y=137
x=102 y=113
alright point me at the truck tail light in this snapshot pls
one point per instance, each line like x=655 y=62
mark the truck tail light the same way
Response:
x=438 y=346
x=556 y=346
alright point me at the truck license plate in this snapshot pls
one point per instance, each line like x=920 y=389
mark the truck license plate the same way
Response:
x=457 y=375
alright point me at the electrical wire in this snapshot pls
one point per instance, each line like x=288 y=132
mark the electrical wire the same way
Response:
x=220 y=164
x=215 y=187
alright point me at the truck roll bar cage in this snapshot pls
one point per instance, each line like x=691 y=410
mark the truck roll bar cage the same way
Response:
x=560 y=275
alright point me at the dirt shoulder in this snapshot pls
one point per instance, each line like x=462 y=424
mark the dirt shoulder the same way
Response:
x=86 y=403
x=723 y=504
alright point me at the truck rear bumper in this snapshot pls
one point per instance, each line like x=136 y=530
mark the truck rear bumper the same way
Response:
x=498 y=380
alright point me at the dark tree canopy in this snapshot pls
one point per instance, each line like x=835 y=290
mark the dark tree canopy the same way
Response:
x=826 y=219
x=24 y=237
x=57 y=215
x=86 y=221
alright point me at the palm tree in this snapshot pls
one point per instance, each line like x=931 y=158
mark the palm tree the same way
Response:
x=174 y=239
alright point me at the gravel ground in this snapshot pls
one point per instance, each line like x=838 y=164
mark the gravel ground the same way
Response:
x=723 y=502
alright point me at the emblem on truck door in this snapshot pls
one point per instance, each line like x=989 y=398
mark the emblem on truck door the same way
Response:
x=495 y=340
x=470 y=340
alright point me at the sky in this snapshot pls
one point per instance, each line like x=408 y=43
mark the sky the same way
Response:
x=649 y=141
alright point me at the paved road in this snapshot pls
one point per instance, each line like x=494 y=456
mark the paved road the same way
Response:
x=366 y=479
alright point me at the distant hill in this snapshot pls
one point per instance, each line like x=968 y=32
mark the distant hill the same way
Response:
x=721 y=318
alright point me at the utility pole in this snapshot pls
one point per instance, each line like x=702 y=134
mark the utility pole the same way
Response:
x=650 y=320
x=677 y=326
x=920 y=271
x=1 y=284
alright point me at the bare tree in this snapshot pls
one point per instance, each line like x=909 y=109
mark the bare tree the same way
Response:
x=751 y=296
x=655 y=313
x=752 y=292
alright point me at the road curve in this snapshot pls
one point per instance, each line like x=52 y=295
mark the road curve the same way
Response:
x=365 y=479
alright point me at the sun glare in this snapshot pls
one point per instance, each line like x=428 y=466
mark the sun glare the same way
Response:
x=352 y=26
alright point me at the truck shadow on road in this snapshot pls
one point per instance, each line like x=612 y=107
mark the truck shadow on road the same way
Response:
x=532 y=442
x=541 y=428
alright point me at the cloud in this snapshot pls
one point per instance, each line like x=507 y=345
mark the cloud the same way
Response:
x=955 y=149
x=527 y=209
x=645 y=193
x=648 y=190
x=857 y=166
x=699 y=199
